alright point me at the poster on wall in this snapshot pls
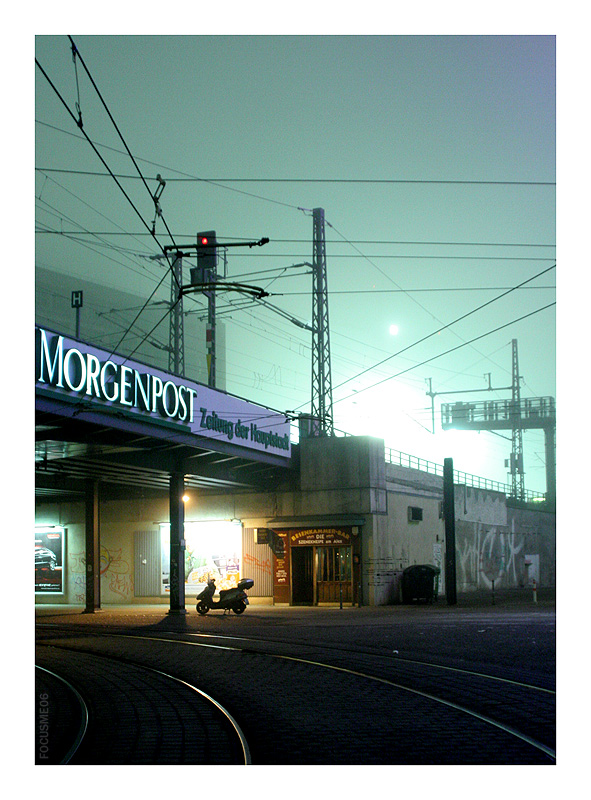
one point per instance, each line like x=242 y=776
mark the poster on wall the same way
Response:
x=49 y=560
x=213 y=550
x=281 y=570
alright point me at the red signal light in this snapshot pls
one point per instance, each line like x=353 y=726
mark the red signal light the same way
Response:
x=207 y=249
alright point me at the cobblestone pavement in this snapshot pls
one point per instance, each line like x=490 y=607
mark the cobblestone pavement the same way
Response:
x=296 y=713
x=136 y=716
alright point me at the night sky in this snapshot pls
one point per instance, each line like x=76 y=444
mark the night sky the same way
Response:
x=432 y=156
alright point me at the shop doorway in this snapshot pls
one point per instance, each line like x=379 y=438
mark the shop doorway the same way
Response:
x=302 y=575
x=334 y=576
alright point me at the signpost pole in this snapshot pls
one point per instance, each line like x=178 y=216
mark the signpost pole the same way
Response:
x=77 y=303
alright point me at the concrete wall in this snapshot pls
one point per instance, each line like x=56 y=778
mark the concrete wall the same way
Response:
x=119 y=522
x=342 y=475
x=538 y=529
x=399 y=542
x=338 y=476
x=348 y=476
x=495 y=541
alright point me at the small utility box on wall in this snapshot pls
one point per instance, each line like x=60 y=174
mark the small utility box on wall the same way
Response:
x=261 y=536
x=415 y=514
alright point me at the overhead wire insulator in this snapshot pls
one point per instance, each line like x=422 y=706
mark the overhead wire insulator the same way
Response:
x=156 y=199
x=77 y=104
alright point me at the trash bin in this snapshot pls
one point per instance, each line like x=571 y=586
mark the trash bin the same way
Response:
x=420 y=582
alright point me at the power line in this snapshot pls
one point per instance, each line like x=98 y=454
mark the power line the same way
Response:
x=92 y=144
x=332 y=241
x=129 y=153
x=403 y=256
x=96 y=240
x=376 y=181
x=120 y=232
x=397 y=256
x=448 y=325
x=191 y=177
x=381 y=271
x=407 y=291
x=447 y=352
x=79 y=123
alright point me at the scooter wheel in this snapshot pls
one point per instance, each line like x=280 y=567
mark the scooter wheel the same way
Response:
x=202 y=608
x=238 y=608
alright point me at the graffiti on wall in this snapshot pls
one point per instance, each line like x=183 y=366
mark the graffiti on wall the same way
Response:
x=489 y=553
x=115 y=573
x=263 y=564
x=79 y=589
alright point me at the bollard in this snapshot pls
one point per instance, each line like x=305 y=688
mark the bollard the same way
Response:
x=493 y=593
x=535 y=592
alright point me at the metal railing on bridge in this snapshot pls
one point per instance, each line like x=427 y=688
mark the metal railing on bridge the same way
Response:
x=464 y=478
x=401 y=459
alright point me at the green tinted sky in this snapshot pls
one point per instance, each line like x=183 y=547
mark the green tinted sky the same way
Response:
x=479 y=109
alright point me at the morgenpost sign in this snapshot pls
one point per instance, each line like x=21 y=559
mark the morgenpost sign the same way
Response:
x=92 y=378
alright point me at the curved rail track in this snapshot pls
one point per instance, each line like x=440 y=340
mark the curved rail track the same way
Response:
x=317 y=704
x=62 y=719
x=135 y=714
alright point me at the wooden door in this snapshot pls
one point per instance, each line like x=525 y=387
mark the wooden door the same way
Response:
x=334 y=578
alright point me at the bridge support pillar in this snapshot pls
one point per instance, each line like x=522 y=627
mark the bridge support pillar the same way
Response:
x=177 y=544
x=450 y=531
x=93 y=548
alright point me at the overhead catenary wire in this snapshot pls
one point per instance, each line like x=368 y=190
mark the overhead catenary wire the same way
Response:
x=46 y=76
x=415 y=242
x=129 y=153
x=121 y=231
x=448 y=325
x=388 y=277
x=447 y=352
x=454 y=289
x=363 y=243
x=102 y=160
x=192 y=177
x=377 y=181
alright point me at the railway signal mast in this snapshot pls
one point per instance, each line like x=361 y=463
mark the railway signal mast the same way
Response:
x=204 y=278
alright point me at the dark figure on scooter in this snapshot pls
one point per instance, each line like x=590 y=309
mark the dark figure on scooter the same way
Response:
x=234 y=599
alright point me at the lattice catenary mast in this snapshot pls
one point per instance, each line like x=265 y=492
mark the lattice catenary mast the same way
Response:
x=517 y=474
x=176 y=335
x=322 y=419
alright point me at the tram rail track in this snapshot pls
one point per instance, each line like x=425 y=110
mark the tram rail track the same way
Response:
x=216 y=736
x=496 y=707
x=68 y=745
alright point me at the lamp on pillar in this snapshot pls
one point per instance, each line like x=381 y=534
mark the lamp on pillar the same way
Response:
x=177 y=544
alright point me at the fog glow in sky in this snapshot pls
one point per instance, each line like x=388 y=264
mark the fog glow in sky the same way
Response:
x=253 y=132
